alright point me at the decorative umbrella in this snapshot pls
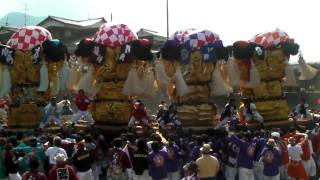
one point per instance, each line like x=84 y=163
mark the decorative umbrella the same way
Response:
x=272 y=38
x=179 y=35
x=115 y=35
x=199 y=39
x=28 y=37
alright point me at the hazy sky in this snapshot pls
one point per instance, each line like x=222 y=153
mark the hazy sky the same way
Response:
x=231 y=19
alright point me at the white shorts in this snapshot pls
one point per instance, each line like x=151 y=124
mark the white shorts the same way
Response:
x=246 y=174
x=87 y=175
x=310 y=167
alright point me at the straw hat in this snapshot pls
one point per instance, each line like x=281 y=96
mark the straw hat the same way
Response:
x=275 y=134
x=206 y=148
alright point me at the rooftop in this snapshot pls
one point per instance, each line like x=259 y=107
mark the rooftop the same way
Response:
x=7 y=29
x=59 y=21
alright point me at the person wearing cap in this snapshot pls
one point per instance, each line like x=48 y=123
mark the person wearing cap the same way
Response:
x=282 y=147
x=62 y=170
x=271 y=158
x=301 y=111
x=191 y=171
x=82 y=102
x=51 y=113
x=208 y=165
x=82 y=161
x=34 y=173
x=295 y=166
x=55 y=149
x=229 y=113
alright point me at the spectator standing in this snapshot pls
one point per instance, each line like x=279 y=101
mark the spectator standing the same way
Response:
x=119 y=162
x=295 y=166
x=61 y=170
x=34 y=174
x=246 y=156
x=191 y=171
x=54 y=150
x=140 y=162
x=208 y=165
x=12 y=163
x=271 y=158
x=157 y=162
x=82 y=161
x=173 y=163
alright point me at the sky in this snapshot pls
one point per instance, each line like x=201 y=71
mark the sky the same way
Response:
x=232 y=20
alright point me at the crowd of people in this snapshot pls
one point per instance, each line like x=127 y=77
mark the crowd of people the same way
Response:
x=225 y=151
x=213 y=154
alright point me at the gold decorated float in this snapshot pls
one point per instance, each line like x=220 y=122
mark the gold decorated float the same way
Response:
x=33 y=76
x=189 y=67
x=262 y=62
x=114 y=62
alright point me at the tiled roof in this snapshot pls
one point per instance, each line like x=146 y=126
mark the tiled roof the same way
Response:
x=9 y=28
x=79 y=23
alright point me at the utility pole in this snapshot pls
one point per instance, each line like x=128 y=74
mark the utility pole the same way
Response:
x=7 y=21
x=25 y=13
x=167 y=19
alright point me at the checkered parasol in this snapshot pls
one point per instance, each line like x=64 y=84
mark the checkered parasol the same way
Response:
x=115 y=35
x=28 y=37
x=195 y=39
x=272 y=38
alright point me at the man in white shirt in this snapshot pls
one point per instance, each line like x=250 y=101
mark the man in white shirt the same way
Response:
x=54 y=150
x=51 y=113
x=295 y=166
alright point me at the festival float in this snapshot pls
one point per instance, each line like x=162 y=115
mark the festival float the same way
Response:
x=112 y=68
x=190 y=71
x=264 y=70
x=30 y=65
